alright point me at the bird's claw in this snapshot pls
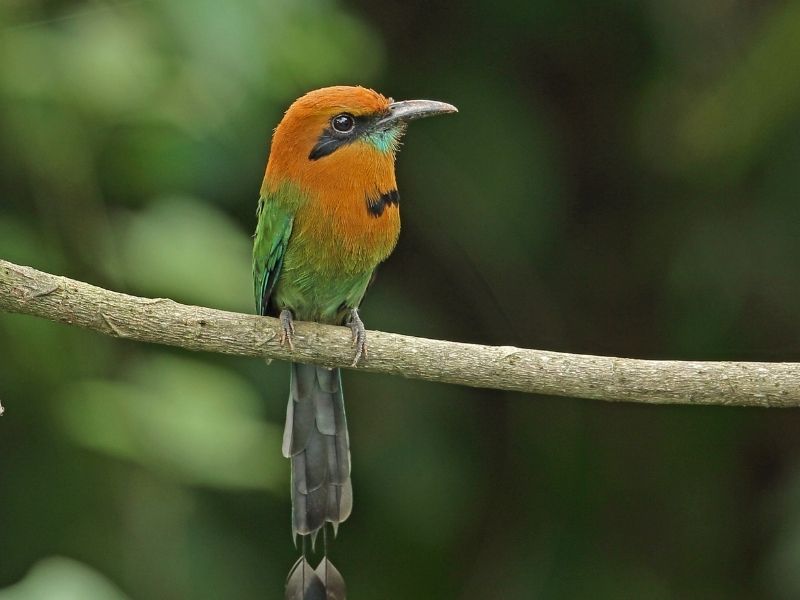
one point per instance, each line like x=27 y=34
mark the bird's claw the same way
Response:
x=287 y=328
x=359 y=332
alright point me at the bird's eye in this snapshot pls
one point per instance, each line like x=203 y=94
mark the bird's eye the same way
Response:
x=343 y=123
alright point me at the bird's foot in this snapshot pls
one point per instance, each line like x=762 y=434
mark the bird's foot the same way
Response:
x=356 y=326
x=287 y=328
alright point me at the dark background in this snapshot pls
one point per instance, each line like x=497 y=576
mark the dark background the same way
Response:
x=622 y=179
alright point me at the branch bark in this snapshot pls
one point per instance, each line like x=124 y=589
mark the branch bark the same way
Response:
x=158 y=320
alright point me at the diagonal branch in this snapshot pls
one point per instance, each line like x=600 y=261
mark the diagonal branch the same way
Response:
x=28 y=291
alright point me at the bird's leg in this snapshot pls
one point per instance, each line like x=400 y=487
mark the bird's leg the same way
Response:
x=287 y=328
x=356 y=326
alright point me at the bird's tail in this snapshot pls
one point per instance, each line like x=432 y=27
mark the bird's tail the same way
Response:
x=322 y=583
x=316 y=441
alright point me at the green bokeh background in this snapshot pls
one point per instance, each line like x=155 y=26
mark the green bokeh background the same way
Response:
x=623 y=178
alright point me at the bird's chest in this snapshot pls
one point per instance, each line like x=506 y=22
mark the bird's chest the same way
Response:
x=343 y=239
x=329 y=263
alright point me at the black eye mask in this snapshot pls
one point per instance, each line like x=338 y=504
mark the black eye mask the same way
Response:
x=331 y=140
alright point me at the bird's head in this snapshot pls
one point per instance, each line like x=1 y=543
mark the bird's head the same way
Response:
x=343 y=136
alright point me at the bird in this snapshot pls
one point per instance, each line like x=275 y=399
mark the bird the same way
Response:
x=328 y=215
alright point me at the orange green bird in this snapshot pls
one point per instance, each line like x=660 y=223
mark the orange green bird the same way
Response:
x=328 y=214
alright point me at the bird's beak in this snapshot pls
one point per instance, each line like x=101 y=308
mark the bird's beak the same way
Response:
x=408 y=110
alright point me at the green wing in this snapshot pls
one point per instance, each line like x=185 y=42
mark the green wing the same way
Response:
x=272 y=236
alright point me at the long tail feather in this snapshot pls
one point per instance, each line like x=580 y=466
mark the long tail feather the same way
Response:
x=316 y=441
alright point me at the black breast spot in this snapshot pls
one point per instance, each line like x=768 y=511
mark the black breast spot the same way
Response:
x=376 y=205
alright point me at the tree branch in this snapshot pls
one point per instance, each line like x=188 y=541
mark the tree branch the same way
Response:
x=158 y=320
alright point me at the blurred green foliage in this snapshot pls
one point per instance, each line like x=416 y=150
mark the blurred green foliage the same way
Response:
x=622 y=179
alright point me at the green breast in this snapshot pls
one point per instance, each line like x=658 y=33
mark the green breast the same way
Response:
x=318 y=294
